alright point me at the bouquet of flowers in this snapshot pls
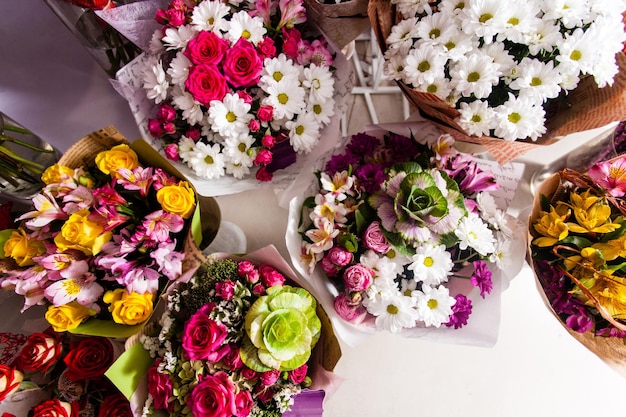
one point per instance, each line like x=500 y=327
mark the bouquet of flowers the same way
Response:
x=494 y=67
x=236 y=339
x=404 y=233
x=577 y=228
x=242 y=88
x=57 y=374
x=103 y=238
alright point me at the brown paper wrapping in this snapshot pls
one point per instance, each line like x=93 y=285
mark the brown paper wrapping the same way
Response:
x=587 y=106
x=611 y=350
x=341 y=23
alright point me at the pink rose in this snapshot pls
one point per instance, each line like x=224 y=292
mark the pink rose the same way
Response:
x=339 y=256
x=258 y=289
x=206 y=49
x=266 y=114
x=214 y=396
x=166 y=112
x=169 y=128
x=291 y=42
x=205 y=83
x=232 y=359
x=264 y=157
x=268 y=140
x=267 y=49
x=203 y=337
x=245 y=96
x=270 y=377
x=154 y=126
x=349 y=309
x=249 y=374
x=374 y=239
x=171 y=152
x=263 y=175
x=193 y=133
x=160 y=388
x=243 y=403
x=247 y=270
x=357 y=278
x=270 y=276
x=225 y=289
x=242 y=65
x=298 y=375
x=254 y=125
x=329 y=268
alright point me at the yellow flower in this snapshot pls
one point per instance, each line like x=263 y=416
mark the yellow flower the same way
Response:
x=22 y=248
x=609 y=290
x=592 y=214
x=177 y=199
x=551 y=226
x=57 y=174
x=82 y=234
x=129 y=308
x=612 y=249
x=68 y=316
x=589 y=258
x=120 y=156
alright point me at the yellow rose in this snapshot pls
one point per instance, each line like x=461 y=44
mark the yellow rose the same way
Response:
x=129 y=308
x=80 y=233
x=177 y=199
x=120 y=156
x=68 y=316
x=57 y=174
x=22 y=248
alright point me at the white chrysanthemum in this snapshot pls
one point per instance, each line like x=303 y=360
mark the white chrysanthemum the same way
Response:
x=483 y=18
x=394 y=64
x=393 y=311
x=424 y=64
x=177 y=38
x=319 y=81
x=410 y=8
x=503 y=255
x=434 y=305
x=402 y=34
x=286 y=97
x=544 y=37
x=242 y=25
x=239 y=150
x=440 y=87
x=230 y=116
x=408 y=288
x=186 y=148
x=192 y=110
x=520 y=18
x=278 y=69
x=322 y=111
x=431 y=264
x=386 y=269
x=452 y=7
x=579 y=49
x=476 y=118
x=457 y=44
x=304 y=132
x=489 y=212
x=570 y=76
x=607 y=7
x=608 y=31
x=238 y=171
x=208 y=161
x=155 y=81
x=156 y=46
x=179 y=69
x=536 y=80
x=476 y=75
x=571 y=13
x=474 y=233
x=434 y=29
x=209 y=16
x=500 y=55
x=519 y=119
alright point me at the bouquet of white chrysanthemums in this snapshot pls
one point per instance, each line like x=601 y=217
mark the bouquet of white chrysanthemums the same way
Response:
x=500 y=63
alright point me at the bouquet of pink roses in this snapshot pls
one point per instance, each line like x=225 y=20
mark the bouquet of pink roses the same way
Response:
x=103 y=238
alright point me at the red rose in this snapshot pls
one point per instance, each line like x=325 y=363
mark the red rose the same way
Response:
x=160 y=388
x=40 y=352
x=56 y=408
x=10 y=380
x=93 y=4
x=242 y=64
x=115 y=405
x=89 y=359
x=206 y=49
x=206 y=83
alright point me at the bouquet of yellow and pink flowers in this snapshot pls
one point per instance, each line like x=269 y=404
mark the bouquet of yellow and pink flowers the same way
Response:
x=103 y=239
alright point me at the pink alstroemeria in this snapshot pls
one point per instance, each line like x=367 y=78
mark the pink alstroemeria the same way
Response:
x=78 y=199
x=46 y=211
x=107 y=195
x=55 y=263
x=292 y=12
x=170 y=262
x=264 y=9
x=112 y=217
x=159 y=224
x=79 y=284
x=139 y=179
x=28 y=283
x=141 y=279
x=611 y=176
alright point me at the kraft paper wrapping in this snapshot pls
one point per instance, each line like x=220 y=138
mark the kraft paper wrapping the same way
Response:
x=587 y=107
x=610 y=350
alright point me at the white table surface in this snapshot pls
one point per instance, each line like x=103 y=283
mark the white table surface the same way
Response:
x=52 y=86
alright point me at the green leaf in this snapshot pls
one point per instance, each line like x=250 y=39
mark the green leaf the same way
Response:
x=577 y=241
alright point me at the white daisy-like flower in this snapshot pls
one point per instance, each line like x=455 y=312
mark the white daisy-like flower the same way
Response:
x=519 y=119
x=394 y=65
x=386 y=269
x=208 y=161
x=209 y=16
x=502 y=252
x=179 y=69
x=452 y=7
x=431 y=264
x=579 y=49
x=238 y=171
x=473 y=233
x=155 y=81
x=278 y=69
x=499 y=54
x=186 y=148
x=177 y=38
x=402 y=34
x=286 y=97
x=409 y=8
x=476 y=75
x=393 y=311
x=424 y=64
x=435 y=28
x=230 y=116
x=319 y=81
x=242 y=25
x=440 y=87
x=156 y=47
x=476 y=118
x=607 y=7
x=570 y=76
x=408 y=288
x=192 y=110
x=434 y=305
x=239 y=150
x=322 y=111
x=544 y=37
x=520 y=18
x=570 y=13
x=304 y=132
x=457 y=44
x=536 y=80
x=483 y=18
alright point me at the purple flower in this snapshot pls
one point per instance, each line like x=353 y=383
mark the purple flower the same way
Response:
x=460 y=312
x=401 y=148
x=362 y=145
x=340 y=163
x=465 y=171
x=370 y=176
x=581 y=321
x=482 y=278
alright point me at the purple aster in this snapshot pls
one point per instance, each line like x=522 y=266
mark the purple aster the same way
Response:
x=401 y=148
x=370 y=177
x=362 y=144
x=460 y=312
x=581 y=321
x=340 y=163
x=482 y=278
